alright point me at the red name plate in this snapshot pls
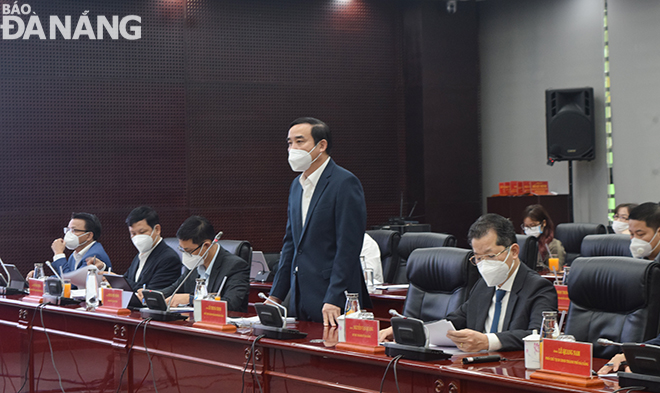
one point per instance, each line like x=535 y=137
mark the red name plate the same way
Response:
x=567 y=357
x=214 y=311
x=362 y=331
x=562 y=297
x=36 y=287
x=112 y=297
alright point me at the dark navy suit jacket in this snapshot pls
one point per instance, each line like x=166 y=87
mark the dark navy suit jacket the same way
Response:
x=161 y=269
x=322 y=259
x=530 y=295
x=68 y=265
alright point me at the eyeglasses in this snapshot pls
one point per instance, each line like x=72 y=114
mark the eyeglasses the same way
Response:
x=189 y=253
x=475 y=259
x=526 y=227
x=67 y=230
x=624 y=218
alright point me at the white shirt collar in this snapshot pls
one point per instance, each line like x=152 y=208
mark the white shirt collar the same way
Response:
x=508 y=284
x=78 y=256
x=201 y=269
x=314 y=177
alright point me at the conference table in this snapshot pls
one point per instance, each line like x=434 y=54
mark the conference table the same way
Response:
x=98 y=352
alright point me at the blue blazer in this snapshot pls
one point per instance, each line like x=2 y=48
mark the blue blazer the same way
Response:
x=322 y=259
x=96 y=250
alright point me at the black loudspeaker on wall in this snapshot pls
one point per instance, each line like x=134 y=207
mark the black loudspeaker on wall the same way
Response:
x=570 y=131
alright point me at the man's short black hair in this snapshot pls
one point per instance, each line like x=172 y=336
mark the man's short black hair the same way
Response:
x=320 y=130
x=143 y=213
x=506 y=235
x=92 y=223
x=648 y=212
x=196 y=228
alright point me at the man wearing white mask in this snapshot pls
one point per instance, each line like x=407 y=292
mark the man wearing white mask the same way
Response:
x=644 y=225
x=81 y=236
x=507 y=302
x=201 y=252
x=326 y=219
x=157 y=265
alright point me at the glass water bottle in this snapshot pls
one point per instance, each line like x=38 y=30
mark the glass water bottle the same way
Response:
x=200 y=289
x=92 y=288
x=549 y=326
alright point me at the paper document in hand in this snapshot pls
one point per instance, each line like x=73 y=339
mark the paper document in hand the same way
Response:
x=438 y=333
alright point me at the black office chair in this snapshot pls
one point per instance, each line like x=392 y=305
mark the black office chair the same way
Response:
x=388 y=243
x=440 y=280
x=614 y=298
x=411 y=241
x=571 y=234
x=173 y=242
x=529 y=250
x=242 y=248
x=606 y=246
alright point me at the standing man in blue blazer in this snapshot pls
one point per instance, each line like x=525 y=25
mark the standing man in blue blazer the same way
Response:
x=81 y=236
x=326 y=219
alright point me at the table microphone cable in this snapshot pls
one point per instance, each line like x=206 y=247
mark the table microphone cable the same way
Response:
x=247 y=361
x=27 y=366
x=128 y=355
x=394 y=362
x=146 y=350
x=50 y=346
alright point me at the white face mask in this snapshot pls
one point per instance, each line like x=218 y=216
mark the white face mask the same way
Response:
x=72 y=241
x=301 y=160
x=534 y=231
x=143 y=243
x=641 y=248
x=619 y=227
x=493 y=271
x=192 y=261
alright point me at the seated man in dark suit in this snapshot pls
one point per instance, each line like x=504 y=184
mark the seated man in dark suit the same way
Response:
x=644 y=226
x=507 y=302
x=196 y=241
x=81 y=236
x=157 y=265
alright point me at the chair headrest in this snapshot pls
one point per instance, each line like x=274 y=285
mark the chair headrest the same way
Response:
x=438 y=269
x=606 y=245
x=414 y=240
x=610 y=284
x=388 y=241
x=571 y=234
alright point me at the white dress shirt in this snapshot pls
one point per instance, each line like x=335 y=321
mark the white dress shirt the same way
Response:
x=309 y=185
x=494 y=343
x=143 y=259
x=370 y=258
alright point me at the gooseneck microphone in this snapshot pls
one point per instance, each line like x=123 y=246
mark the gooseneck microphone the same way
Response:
x=266 y=299
x=6 y=271
x=395 y=313
x=53 y=269
x=605 y=342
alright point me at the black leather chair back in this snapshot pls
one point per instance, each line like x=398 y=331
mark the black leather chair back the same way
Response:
x=614 y=298
x=242 y=248
x=606 y=246
x=571 y=234
x=440 y=280
x=388 y=243
x=529 y=250
x=411 y=241
x=173 y=242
